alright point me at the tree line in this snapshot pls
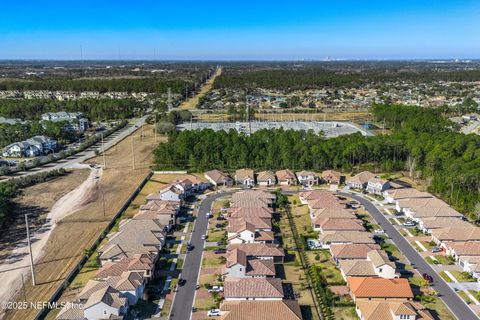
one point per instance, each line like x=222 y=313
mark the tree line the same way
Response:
x=422 y=142
x=150 y=85
x=94 y=109
x=318 y=77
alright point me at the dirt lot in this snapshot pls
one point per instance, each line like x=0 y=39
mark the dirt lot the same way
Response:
x=193 y=102
x=74 y=233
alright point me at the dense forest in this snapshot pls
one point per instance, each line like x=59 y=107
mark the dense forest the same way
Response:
x=94 y=109
x=151 y=85
x=421 y=142
x=318 y=77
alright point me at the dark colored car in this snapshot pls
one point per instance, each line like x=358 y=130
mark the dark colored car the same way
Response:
x=181 y=282
x=190 y=247
x=219 y=251
x=428 y=277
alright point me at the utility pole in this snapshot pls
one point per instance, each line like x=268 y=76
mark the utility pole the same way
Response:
x=155 y=128
x=103 y=154
x=30 y=251
x=103 y=200
x=133 y=153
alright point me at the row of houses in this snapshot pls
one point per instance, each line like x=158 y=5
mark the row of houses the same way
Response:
x=76 y=120
x=447 y=227
x=287 y=177
x=35 y=146
x=252 y=289
x=374 y=285
x=129 y=256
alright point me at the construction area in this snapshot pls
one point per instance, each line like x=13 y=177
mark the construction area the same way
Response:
x=75 y=209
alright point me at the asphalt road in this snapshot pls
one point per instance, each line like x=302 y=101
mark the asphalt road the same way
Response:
x=73 y=161
x=451 y=299
x=182 y=306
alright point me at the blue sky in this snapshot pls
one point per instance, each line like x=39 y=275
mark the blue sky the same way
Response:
x=237 y=30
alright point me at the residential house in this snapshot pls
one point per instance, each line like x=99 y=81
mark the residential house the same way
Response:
x=308 y=178
x=239 y=265
x=76 y=120
x=245 y=231
x=171 y=193
x=419 y=208
x=379 y=289
x=344 y=237
x=455 y=234
x=392 y=310
x=339 y=224
x=218 y=178
x=32 y=147
x=333 y=177
x=319 y=215
x=377 y=185
x=266 y=178
x=376 y=264
x=105 y=303
x=428 y=224
x=253 y=289
x=286 y=177
x=458 y=249
x=245 y=177
x=264 y=310
x=140 y=263
x=360 y=180
x=252 y=199
x=260 y=251
x=262 y=212
x=394 y=195
x=354 y=251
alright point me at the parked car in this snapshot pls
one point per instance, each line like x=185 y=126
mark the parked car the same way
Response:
x=213 y=313
x=379 y=231
x=204 y=237
x=409 y=223
x=428 y=277
x=190 y=247
x=181 y=282
x=220 y=251
x=216 y=289
x=221 y=218
x=436 y=249
x=208 y=214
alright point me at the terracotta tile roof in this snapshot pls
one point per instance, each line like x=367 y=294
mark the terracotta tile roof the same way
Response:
x=357 y=268
x=69 y=312
x=253 y=288
x=378 y=180
x=331 y=175
x=436 y=212
x=319 y=214
x=444 y=222
x=250 y=212
x=253 y=194
x=260 y=267
x=370 y=287
x=217 y=176
x=242 y=174
x=318 y=195
x=161 y=219
x=407 y=193
x=264 y=236
x=464 y=248
x=236 y=256
x=306 y=173
x=128 y=281
x=239 y=224
x=159 y=204
x=341 y=224
x=257 y=249
x=416 y=203
x=266 y=175
x=361 y=178
x=471 y=233
x=352 y=251
x=325 y=203
x=346 y=237
x=285 y=175
x=261 y=310
x=388 y=310
x=141 y=263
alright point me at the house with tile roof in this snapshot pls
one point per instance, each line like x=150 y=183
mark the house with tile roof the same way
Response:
x=317 y=216
x=266 y=178
x=372 y=288
x=360 y=181
x=377 y=185
x=260 y=310
x=239 y=265
x=259 y=251
x=338 y=224
x=392 y=310
x=470 y=264
x=286 y=177
x=308 y=178
x=263 y=212
x=427 y=225
x=458 y=249
x=355 y=251
x=105 y=303
x=142 y=263
x=245 y=177
x=344 y=237
x=218 y=178
x=455 y=234
x=395 y=195
x=376 y=264
x=333 y=177
x=253 y=289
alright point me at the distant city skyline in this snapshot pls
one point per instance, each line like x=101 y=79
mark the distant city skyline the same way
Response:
x=270 y=30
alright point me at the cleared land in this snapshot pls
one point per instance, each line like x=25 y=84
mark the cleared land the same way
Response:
x=65 y=246
x=192 y=103
x=360 y=116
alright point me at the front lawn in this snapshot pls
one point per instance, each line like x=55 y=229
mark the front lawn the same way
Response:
x=213 y=261
x=462 y=276
x=445 y=277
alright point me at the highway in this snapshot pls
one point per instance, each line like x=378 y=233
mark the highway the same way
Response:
x=183 y=301
x=456 y=305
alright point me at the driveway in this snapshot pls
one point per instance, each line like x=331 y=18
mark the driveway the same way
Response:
x=182 y=305
x=446 y=293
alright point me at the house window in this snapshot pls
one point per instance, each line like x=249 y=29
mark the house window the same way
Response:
x=104 y=311
x=380 y=270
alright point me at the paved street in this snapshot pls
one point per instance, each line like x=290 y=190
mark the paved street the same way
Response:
x=182 y=305
x=451 y=299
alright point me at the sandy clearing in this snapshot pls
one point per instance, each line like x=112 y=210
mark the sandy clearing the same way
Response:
x=17 y=263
